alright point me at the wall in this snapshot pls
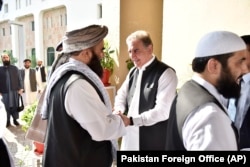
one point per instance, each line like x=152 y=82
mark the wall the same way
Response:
x=29 y=34
x=53 y=28
x=5 y=42
x=139 y=15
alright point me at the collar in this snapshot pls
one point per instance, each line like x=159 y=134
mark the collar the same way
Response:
x=246 y=78
x=147 y=64
x=210 y=88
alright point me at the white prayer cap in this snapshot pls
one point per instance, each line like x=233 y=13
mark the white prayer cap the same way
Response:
x=83 y=38
x=219 y=42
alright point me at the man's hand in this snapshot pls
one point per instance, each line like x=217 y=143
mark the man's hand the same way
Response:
x=126 y=120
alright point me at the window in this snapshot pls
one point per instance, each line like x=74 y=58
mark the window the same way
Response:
x=61 y=20
x=50 y=55
x=65 y=19
x=6 y=8
x=3 y=31
x=49 y=22
x=28 y=2
x=99 y=11
x=10 y=30
x=18 y=4
x=33 y=26
x=33 y=57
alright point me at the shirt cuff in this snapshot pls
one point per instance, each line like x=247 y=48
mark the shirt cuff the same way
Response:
x=137 y=120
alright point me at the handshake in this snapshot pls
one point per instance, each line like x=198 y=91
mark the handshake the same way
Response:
x=128 y=121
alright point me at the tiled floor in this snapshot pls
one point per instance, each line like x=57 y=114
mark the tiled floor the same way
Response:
x=21 y=148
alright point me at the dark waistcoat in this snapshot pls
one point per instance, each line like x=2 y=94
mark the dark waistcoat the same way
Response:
x=150 y=137
x=67 y=144
x=191 y=96
x=43 y=74
x=32 y=79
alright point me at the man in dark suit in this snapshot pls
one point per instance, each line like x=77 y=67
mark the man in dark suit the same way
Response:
x=10 y=87
x=242 y=117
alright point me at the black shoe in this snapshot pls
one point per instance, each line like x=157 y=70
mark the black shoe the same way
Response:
x=8 y=124
x=16 y=122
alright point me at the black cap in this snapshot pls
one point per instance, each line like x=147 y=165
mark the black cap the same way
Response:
x=26 y=60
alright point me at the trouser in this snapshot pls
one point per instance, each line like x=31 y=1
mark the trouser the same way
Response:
x=12 y=112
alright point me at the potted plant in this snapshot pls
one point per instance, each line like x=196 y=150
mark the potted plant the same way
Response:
x=27 y=117
x=107 y=63
x=129 y=63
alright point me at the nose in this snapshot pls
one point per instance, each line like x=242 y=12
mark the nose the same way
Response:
x=101 y=55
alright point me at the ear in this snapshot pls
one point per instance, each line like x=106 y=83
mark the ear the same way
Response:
x=150 y=48
x=213 y=66
x=86 y=55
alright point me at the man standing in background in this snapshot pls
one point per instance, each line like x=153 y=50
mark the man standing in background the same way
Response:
x=41 y=75
x=239 y=109
x=10 y=87
x=30 y=82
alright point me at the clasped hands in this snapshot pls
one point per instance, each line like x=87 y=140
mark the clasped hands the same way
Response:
x=125 y=119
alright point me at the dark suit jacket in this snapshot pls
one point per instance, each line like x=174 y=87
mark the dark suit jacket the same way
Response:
x=15 y=79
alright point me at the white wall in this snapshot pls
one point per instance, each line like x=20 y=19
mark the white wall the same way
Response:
x=184 y=23
x=82 y=13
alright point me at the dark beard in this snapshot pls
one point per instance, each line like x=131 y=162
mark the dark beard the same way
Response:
x=95 y=65
x=227 y=86
x=6 y=63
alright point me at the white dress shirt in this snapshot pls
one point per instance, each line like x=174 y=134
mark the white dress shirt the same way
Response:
x=243 y=102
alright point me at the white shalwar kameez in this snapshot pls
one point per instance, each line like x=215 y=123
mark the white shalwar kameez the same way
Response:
x=83 y=104
x=41 y=84
x=208 y=128
x=166 y=93
x=29 y=96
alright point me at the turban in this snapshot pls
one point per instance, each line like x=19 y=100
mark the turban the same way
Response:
x=83 y=38
x=219 y=42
